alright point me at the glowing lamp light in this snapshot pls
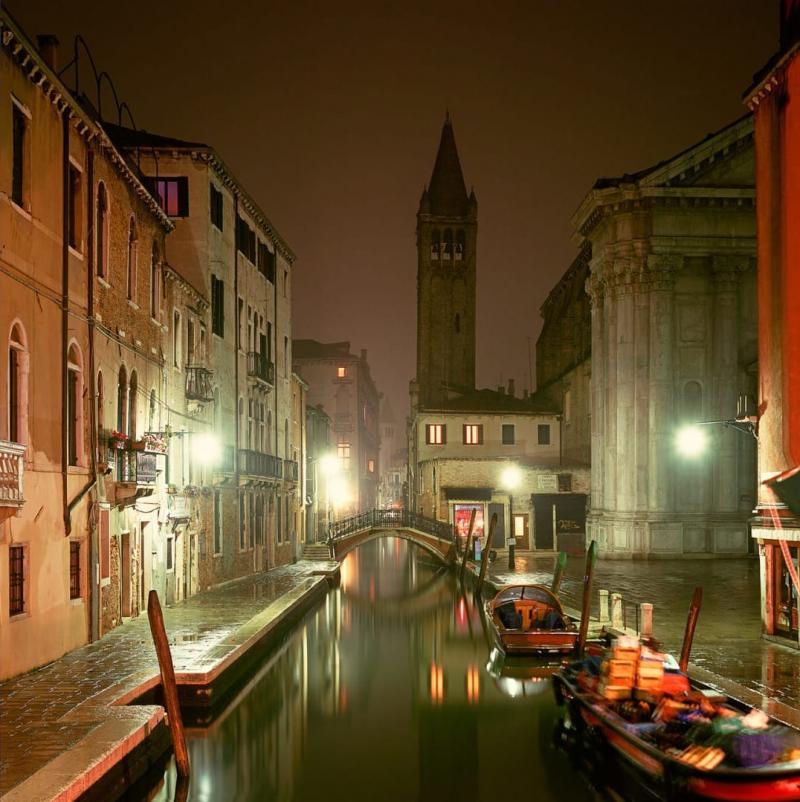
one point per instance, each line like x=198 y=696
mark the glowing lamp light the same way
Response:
x=511 y=477
x=329 y=464
x=691 y=441
x=339 y=491
x=206 y=448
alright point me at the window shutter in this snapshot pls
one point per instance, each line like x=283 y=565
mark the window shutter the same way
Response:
x=444 y=433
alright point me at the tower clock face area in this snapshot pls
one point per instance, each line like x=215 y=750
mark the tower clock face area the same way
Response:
x=447 y=224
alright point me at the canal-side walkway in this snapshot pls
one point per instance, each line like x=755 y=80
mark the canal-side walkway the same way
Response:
x=64 y=725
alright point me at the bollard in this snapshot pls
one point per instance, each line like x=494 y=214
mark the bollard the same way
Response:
x=168 y=683
x=603 y=594
x=485 y=555
x=646 y=617
x=616 y=611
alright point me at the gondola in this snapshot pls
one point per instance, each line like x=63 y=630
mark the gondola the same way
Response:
x=694 y=744
x=529 y=619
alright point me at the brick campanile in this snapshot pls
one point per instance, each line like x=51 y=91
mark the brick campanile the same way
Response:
x=447 y=228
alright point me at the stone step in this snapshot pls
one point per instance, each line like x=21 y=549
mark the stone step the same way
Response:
x=316 y=551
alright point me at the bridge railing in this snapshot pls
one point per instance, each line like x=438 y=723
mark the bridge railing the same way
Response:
x=391 y=519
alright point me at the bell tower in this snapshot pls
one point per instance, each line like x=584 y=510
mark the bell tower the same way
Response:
x=447 y=227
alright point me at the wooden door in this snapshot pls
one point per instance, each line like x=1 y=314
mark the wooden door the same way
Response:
x=125 y=574
x=520 y=529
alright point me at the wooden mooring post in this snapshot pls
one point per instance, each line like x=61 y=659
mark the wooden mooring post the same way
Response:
x=691 y=624
x=469 y=541
x=485 y=554
x=558 y=573
x=586 y=604
x=168 y=683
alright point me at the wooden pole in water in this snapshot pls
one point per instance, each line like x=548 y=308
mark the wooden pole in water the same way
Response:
x=168 y=683
x=558 y=574
x=586 y=606
x=485 y=555
x=469 y=540
x=691 y=624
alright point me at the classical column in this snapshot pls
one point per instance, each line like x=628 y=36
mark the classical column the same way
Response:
x=725 y=271
x=662 y=269
x=596 y=291
x=625 y=386
x=609 y=390
x=641 y=349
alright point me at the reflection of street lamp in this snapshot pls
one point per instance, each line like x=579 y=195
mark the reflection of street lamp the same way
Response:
x=509 y=480
x=329 y=467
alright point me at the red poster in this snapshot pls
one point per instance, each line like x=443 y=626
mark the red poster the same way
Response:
x=461 y=516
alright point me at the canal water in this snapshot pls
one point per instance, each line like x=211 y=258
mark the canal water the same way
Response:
x=387 y=691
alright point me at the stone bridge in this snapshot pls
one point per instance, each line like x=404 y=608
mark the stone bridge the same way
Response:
x=437 y=537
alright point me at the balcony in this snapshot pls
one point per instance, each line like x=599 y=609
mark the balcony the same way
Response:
x=12 y=467
x=198 y=384
x=254 y=463
x=290 y=470
x=137 y=468
x=260 y=368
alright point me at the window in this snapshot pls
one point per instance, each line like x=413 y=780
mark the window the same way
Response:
x=132 y=259
x=544 y=434
x=285 y=357
x=245 y=239
x=100 y=405
x=217 y=306
x=435 y=245
x=240 y=323
x=473 y=434
x=176 y=338
x=447 y=245
x=75 y=208
x=271 y=266
x=459 y=247
x=170 y=553
x=251 y=521
x=151 y=420
x=74 y=570
x=565 y=482
x=435 y=434
x=692 y=402
x=132 y=390
x=343 y=452
x=242 y=522
x=74 y=406
x=20 y=177
x=508 y=434
x=189 y=342
x=215 y=205
x=263 y=257
x=16 y=580
x=18 y=369
x=172 y=195
x=101 y=231
x=285 y=283
x=341 y=372
x=122 y=400
x=217 y=522
x=154 y=295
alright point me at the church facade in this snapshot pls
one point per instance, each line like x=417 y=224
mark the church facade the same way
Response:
x=671 y=285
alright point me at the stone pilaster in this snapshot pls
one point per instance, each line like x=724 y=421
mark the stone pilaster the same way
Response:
x=595 y=288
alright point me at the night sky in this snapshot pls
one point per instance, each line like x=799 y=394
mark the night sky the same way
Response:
x=330 y=114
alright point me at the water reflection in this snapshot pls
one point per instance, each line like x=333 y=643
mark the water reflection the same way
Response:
x=388 y=690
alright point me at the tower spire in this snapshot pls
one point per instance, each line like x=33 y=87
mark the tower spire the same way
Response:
x=446 y=189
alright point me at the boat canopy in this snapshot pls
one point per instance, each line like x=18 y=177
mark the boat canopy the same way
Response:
x=527 y=593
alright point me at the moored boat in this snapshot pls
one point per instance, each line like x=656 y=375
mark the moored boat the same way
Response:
x=529 y=619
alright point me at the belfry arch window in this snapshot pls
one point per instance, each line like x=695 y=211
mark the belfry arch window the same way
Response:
x=459 y=246
x=447 y=245
x=435 y=244
x=74 y=405
x=18 y=371
x=132 y=257
x=101 y=231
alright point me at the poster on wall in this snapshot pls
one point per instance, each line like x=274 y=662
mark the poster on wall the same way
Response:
x=461 y=516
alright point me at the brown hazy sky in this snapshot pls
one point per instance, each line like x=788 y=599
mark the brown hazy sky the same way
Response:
x=330 y=115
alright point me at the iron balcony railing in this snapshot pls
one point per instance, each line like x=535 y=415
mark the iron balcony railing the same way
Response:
x=259 y=367
x=254 y=463
x=137 y=467
x=290 y=470
x=391 y=519
x=12 y=467
x=198 y=384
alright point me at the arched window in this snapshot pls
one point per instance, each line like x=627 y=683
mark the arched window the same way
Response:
x=241 y=423
x=447 y=247
x=692 y=406
x=151 y=419
x=74 y=406
x=132 y=259
x=286 y=439
x=269 y=431
x=18 y=371
x=101 y=231
x=435 y=244
x=122 y=400
x=459 y=252
x=132 y=390
x=154 y=293
x=458 y=323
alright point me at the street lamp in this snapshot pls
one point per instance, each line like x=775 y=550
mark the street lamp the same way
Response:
x=206 y=448
x=691 y=440
x=509 y=480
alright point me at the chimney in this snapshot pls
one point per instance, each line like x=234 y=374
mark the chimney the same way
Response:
x=511 y=388
x=501 y=389
x=47 y=44
x=363 y=354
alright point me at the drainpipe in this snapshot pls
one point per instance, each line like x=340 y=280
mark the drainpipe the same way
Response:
x=64 y=315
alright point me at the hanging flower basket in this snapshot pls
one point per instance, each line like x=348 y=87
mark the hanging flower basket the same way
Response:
x=156 y=443
x=117 y=439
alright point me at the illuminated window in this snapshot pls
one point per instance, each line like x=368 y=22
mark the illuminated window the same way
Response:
x=435 y=434
x=473 y=434
x=371 y=465
x=343 y=452
x=341 y=373
x=544 y=434
x=172 y=195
